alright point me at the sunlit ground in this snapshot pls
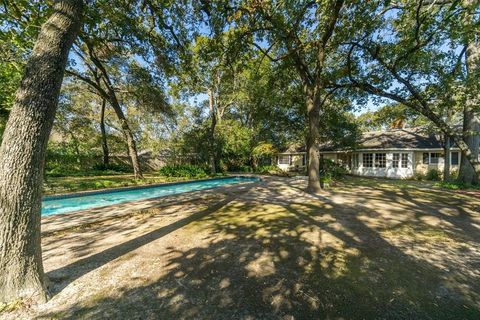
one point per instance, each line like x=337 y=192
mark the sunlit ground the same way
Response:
x=364 y=249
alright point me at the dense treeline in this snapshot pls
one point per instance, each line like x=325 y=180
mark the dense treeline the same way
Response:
x=221 y=82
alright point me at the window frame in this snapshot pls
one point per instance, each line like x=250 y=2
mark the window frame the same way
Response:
x=369 y=157
x=396 y=162
x=458 y=158
x=355 y=160
x=403 y=161
x=284 y=155
x=438 y=158
x=383 y=159
x=426 y=160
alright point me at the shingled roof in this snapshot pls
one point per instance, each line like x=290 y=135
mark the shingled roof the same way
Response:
x=411 y=138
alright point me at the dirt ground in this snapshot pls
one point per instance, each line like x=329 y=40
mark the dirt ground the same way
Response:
x=364 y=249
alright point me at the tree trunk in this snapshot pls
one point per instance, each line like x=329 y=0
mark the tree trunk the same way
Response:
x=213 y=125
x=313 y=113
x=112 y=97
x=447 y=153
x=22 y=156
x=471 y=124
x=128 y=135
x=106 y=158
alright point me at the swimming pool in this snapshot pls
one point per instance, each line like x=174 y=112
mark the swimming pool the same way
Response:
x=62 y=204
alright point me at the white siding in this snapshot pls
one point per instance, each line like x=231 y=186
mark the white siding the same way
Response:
x=389 y=171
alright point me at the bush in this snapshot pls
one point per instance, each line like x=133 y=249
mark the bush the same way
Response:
x=112 y=167
x=452 y=185
x=433 y=175
x=332 y=169
x=419 y=176
x=183 y=171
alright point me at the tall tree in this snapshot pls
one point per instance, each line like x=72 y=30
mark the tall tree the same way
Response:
x=99 y=79
x=417 y=69
x=22 y=155
x=471 y=111
x=302 y=35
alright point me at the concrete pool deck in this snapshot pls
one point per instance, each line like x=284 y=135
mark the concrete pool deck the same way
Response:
x=65 y=221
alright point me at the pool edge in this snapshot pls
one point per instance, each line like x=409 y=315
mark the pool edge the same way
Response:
x=120 y=189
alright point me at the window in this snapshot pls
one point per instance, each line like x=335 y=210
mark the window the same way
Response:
x=355 y=161
x=426 y=158
x=404 y=160
x=304 y=159
x=368 y=160
x=435 y=158
x=396 y=160
x=455 y=157
x=380 y=160
x=284 y=159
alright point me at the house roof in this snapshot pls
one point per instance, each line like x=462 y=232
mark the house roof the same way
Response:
x=294 y=148
x=411 y=138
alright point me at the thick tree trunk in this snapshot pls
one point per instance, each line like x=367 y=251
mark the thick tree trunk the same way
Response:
x=213 y=125
x=128 y=135
x=313 y=165
x=106 y=157
x=471 y=124
x=447 y=153
x=22 y=156
x=467 y=174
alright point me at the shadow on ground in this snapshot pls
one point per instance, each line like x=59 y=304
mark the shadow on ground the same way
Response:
x=362 y=251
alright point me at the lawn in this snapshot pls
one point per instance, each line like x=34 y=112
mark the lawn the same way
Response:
x=365 y=249
x=56 y=185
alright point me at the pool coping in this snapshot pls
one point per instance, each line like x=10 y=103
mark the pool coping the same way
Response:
x=127 y=188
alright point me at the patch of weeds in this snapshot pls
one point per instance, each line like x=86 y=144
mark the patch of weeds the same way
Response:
x=422 y=233
x=456 y=186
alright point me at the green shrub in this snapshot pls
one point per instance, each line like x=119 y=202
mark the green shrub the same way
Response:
x=433 y=175
x=326 y=180
x=112 y=167
x=183 y=171
x=333 y=169
x=453 y=185
x=419 y=176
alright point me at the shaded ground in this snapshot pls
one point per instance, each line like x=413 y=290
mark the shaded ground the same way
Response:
x=368 y=248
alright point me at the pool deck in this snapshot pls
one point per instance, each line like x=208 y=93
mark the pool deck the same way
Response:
x=57 y=223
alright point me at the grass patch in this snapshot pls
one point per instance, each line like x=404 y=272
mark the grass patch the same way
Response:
x=56 y=185
x=456 y=186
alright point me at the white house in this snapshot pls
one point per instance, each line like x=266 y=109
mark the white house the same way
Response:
x=394 y=153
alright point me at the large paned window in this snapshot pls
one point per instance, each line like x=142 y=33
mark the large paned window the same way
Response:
x=380 y=160
x=404 y=160
x=431 y=157
x=368 y=160
x=396 y=160
x=435 y=157
x=284 y=159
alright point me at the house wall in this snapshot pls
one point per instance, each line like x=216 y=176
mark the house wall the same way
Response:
x=389 y=171
x=330 y=156
x=296 y=162
x=421 y=168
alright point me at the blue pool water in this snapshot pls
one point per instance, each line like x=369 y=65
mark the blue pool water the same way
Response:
x=55 y=205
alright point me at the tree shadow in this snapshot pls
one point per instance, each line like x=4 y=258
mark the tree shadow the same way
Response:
x=275 y=252
x=77 y=269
